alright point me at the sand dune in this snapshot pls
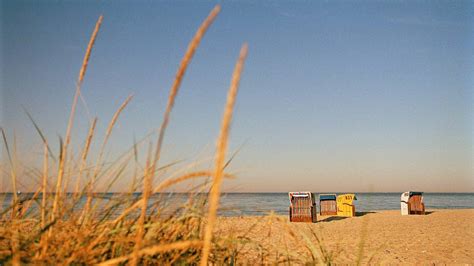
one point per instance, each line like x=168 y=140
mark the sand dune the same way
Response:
x=385 y=237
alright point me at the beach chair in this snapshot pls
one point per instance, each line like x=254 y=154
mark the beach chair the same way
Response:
x=302 y=207
x=411 y=202
x=345 y=205
x=327 y=204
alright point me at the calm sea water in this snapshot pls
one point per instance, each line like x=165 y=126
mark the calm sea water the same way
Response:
x=236 y=204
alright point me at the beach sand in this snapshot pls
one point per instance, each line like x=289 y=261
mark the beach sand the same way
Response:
x=383 y=237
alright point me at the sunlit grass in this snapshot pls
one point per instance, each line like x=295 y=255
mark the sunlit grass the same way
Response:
x=59 y=228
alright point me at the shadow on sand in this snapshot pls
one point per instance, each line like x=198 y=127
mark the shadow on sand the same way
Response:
x=333 y=218
x=362 y=213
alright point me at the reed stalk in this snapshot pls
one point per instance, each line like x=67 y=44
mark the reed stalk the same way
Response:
x=149 y=176
x=141 y=221
x=165 y=184
x=85 y=153
x=45 y=180
x=150 y=251
x=43 y=242
x=98 y=164
x=82 y=72
x=192 y=47
x=12 y=169
x=222 y=143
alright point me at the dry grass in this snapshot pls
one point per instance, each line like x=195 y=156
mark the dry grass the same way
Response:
x=67 y=139
x=115 y=231
x=214 y=195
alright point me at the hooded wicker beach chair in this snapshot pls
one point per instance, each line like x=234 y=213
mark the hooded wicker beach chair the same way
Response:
x=411 y=202
x=302 y=207
x=327 y=204
x=345 y=205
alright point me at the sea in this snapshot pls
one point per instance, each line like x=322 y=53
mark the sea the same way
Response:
x=258 y=204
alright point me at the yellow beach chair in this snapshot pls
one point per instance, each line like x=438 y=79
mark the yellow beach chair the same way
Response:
x=345 y=205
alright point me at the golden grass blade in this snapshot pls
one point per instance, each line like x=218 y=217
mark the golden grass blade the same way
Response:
x=150 y=251
x=45 y=180
x=141 y=221
x=40 y=133
x=170 y=182
x=234 y=155
x=108 y=133
x=107 y=136
x=85 y=153
x=116 y=116
x=165 y=184
x=43 y=244
x=26 y=203
x=15 y=243
x=169 y=106
x=12 y=169
x=222 y=142
x=67 y=139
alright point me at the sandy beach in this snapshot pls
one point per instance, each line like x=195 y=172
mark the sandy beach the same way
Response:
x=383 y=237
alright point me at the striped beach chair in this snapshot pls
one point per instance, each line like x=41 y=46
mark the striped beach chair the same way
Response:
x=327 y=204
x=302 y=207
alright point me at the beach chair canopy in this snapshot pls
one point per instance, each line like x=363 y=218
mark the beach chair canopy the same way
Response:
x=327 y=197
x=347 y=198
x=292 y=195
x=407 y=195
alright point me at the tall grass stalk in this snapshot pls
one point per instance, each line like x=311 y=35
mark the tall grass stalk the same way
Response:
x=141 y=220
x=40 y=133
x=222 y=143
x=12 y=168
x=82 y=72
x=84 y=155
x=44 y=185
x=193 y=45
x=183 y=245
x=91 y=183
x=43 y=240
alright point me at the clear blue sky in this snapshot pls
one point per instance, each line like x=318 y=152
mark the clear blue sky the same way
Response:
x=340 y=96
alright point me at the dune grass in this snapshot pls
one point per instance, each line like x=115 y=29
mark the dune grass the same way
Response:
x=55 y=227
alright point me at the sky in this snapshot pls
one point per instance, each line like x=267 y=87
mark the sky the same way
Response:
x=335 y=96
